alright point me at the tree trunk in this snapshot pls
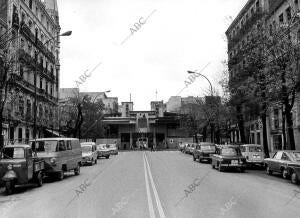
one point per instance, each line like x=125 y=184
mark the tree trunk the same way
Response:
x=241 y=123
x=204 y=133
x=290 y=129
x=265 y=135
x=1 y=129
x=284 y=147
x=212 y=132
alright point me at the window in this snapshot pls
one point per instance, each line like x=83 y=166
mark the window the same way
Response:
x=40 y=111
x=258 y=138
x=276 y=118
x=61 y=146
x=20 y=134
x=41 y=83
x=29 y=152
x=28 y=109
x=288 y=13
x=69 y=146
x=21 y=105
x=281 y=18
x=285 y=157
x=30 y=4
x=278 y=155
x=257 y=5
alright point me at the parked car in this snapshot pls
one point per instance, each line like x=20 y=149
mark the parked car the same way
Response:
x=253 y=153
x=103 y=151
x=204 y=151
x=181 y=146
x=229 y=156
x=186 y=148
x=192 y=148
x=18 y=166
x=113 y=149
x=60 y=155
x=89 y=153
x=287 y=163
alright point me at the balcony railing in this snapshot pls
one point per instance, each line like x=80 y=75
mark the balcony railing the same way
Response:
x=25 y=30
x=245 y=28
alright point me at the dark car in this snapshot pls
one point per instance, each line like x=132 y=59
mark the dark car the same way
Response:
x=287 y=163
x=204 y=151
x=19 y=166
x=228 y=157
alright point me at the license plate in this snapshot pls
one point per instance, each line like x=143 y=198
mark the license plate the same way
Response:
x=234 y=162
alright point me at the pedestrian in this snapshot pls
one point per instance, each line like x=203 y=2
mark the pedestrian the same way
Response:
x=151 y=146
x=154 y=146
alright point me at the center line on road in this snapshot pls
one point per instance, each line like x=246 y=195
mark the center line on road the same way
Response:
x=158 y=203
x=150 y=204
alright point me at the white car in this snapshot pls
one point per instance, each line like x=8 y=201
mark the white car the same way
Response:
x=89 y=153
x=113 y=149
x=103 y=151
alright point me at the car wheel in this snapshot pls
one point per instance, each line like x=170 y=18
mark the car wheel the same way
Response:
x=107 y=157
x=242 y=169
x=60 y=175
x=39 y=179
x=194 y=158
x=285 y=174
x=294 y=178
x=269 y=171
x=77 y=170
x=9 y=187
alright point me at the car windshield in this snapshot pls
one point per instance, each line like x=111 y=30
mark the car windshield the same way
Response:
x=44 y=146
x=16 y=153
x=229 y=152
x=255 y=149
x=296 y=155
x=86 y=148
x=101 y=147
x=207 y=146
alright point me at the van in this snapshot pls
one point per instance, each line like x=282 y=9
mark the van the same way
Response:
x=60 y=155
x=89 y=153
x=253 y=153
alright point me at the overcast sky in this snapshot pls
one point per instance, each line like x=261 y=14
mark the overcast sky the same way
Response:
x=178 y=36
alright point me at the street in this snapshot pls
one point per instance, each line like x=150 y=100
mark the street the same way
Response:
x=155 y=184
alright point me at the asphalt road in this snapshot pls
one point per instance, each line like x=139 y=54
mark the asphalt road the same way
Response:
x=158 y=184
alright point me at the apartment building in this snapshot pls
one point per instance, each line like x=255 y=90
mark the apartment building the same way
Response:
x=255 y=14
x=33 y=43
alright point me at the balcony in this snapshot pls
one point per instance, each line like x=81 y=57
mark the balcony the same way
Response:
x=245 y=29
x=25 y=30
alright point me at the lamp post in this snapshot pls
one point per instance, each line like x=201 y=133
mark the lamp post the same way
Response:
x=211 y=88
x=68 y=33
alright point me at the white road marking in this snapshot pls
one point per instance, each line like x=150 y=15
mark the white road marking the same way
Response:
x=158 y=203
x=150 y=204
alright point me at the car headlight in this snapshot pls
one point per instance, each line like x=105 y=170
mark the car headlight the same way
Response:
x=9 y=167
x=53 y=161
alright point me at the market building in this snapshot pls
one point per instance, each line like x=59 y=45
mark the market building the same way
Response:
x=156 y=126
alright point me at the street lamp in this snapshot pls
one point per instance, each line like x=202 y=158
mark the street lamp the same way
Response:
x=211 y=88
x=68 y=33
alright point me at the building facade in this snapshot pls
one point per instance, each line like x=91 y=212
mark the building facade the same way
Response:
x=270 y=14
x=155 y=127
x=33 y=44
